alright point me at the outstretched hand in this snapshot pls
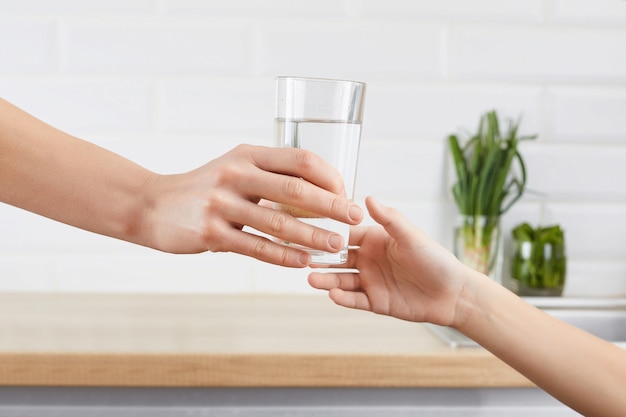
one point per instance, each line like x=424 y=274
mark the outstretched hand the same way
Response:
x=207 y=208
x=401 y=272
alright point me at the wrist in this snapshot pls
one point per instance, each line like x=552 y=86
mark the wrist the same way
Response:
x=141 y=220
x=485 y=308
x=470 y=304
x=170 y=217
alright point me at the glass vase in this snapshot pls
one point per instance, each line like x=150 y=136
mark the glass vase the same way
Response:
x=538 y=268
x=478 y=243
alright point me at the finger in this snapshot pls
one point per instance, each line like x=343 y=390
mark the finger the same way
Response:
x=344 y=289
x=394 y=223
x=299 y=163
x=357 y=234
x=284 y=227
x=302 y=198
x=265 y=203
x=350 y=299
x=265 y=250
x=328 y=281
x=321 y=281
x=322 y=191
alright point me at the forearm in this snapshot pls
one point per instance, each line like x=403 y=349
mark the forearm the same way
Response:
x=51 y=173
x=585 y=372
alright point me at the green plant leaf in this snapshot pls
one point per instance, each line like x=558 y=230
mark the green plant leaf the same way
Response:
x=491 y=174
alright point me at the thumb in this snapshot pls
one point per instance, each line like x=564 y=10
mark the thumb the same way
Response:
x=394 y=223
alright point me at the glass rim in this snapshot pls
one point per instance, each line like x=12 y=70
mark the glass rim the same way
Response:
x=319 y=79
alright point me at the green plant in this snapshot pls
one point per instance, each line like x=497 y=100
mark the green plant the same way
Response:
x=487 y=184
x=539 y=260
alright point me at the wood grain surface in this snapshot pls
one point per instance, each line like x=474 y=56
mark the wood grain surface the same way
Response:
x=226 y=341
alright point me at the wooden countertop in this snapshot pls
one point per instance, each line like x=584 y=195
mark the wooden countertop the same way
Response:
x=226 y=341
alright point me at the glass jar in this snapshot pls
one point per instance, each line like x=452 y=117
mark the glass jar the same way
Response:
x=538 y=267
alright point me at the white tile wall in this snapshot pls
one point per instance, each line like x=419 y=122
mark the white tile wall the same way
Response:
x=154 y=46
x=532 y=53
x=587 y=113
x=172 y=84
x=28 y=46
x=582 y=11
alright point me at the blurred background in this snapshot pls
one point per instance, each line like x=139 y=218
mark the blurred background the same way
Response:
x=172 y=84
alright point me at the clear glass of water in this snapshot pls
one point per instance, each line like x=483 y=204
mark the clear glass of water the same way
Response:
x=323 y=116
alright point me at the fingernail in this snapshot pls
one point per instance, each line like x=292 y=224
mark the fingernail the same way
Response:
x=335 y=241
x=355 y=213
x=304 y=258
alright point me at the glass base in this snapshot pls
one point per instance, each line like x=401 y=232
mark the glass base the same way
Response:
x=328 y=258
x=525 y=291
x=320 y=257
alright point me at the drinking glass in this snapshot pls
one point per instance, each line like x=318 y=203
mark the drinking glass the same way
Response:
x=323 y=116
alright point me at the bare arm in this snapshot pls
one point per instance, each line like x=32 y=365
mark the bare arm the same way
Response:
x=405 y=274
x=581 y=370
x=49 y=172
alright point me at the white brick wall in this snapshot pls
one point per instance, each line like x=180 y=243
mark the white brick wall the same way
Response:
x=172 y=84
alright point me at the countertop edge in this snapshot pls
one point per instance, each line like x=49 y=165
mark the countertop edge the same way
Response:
x=256 y=370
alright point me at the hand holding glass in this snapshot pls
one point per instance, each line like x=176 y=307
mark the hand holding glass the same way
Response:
x=323 y=116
